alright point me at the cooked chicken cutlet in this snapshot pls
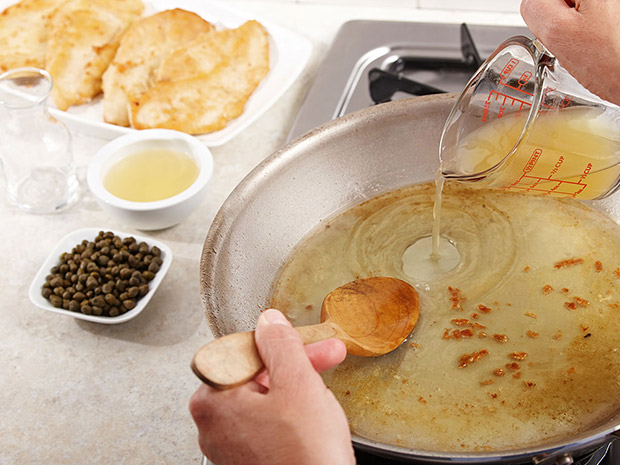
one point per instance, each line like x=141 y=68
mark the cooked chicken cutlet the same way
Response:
x=23 y=33
x=142 y=48
x=83 y=36
x=248 y=45
x=215 y=76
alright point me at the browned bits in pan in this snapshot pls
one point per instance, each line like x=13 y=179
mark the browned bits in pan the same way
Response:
x=567 y=263
x=500 y=338
x=456 y=297
x=483 y=308
x=467 y=359
x=598 y=266
x=103 y=277
x=547 y=289
x=518 y=355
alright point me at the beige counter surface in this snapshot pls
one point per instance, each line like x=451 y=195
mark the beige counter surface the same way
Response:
x=75 y=392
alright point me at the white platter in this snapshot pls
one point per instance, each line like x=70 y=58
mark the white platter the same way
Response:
x=289 y=53
x=66 y=244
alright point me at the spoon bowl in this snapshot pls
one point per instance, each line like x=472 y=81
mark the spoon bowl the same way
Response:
x=372 y=316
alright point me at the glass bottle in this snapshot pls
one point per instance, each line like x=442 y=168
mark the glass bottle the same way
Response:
x=35 y=148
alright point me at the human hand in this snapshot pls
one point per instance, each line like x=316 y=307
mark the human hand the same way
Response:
x=286 y=415
x=584 y=36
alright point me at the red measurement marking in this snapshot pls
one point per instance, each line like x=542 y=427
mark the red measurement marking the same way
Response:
x=525 y=77
x=529 y=166
x=510 y=66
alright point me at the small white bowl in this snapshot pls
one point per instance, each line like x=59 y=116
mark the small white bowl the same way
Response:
x=66 y=244
x=161 y=213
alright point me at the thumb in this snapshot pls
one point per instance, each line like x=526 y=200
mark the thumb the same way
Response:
x=282 y=351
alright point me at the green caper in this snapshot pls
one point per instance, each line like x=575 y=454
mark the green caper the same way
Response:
x=56 y=301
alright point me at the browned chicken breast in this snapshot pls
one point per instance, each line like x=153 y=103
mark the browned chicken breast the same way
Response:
x=143 y=47
x=83 y=36
x=204 y=85
x=23 y=33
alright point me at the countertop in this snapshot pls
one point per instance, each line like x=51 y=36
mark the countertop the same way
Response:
x=75 y=392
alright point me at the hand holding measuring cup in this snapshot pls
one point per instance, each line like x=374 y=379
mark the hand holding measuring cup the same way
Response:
x=584 y=36
x=524 y=124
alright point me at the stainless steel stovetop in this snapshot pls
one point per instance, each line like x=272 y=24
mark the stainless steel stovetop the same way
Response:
x=429 y=53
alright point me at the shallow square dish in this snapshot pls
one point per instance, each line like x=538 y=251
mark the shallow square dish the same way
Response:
x=71 y=240
x=288 y=55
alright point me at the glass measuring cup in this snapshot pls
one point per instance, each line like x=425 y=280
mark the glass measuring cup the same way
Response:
x=35 y=148
x=523 y=123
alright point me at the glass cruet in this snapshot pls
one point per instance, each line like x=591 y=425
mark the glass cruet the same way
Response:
x=35 y=148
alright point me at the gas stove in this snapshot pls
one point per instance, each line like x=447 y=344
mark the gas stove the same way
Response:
x=373 y=62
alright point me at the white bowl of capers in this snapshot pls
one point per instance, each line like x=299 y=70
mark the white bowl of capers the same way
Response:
x=101 y=275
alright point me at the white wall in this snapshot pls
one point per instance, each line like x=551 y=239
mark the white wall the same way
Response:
x=466 y=5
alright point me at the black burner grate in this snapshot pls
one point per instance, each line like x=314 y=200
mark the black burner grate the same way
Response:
x=383 y=84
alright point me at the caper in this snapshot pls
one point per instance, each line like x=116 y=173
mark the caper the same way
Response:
x=153 y=267
x=79 y=296
x=46 y=292
x=125 y=273
x=114 y=311
x=86 y=309
x=107 y=287
x=111 y=300
x=132 y=292
x=148 y=275
x=74 y=306
x=56 y=301
x=143 y=290
x=99 y=301
x=56 y=282
x=96 y=310
x=129 y=304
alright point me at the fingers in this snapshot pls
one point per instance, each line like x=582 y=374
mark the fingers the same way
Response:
x=323 y=355
x=326 y=354
x=549 y=20
x=282 y=351
x=207 y=403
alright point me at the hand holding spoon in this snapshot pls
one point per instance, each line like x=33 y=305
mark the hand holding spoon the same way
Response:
x=372 y=316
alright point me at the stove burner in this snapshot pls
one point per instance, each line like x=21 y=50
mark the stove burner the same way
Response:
x=384 y=84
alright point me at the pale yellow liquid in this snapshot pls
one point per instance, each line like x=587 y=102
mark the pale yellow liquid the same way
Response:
x=571 y=153
x=151 y=175
x=418 y=396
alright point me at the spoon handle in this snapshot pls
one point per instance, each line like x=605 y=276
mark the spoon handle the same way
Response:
x=233 y=360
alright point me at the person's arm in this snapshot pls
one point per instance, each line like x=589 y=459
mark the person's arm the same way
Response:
x=286 y=415
x=584 y=36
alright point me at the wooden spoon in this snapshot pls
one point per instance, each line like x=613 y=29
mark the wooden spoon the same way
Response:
x=372 y=316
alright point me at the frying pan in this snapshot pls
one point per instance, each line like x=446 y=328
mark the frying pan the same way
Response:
x=324 y=172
